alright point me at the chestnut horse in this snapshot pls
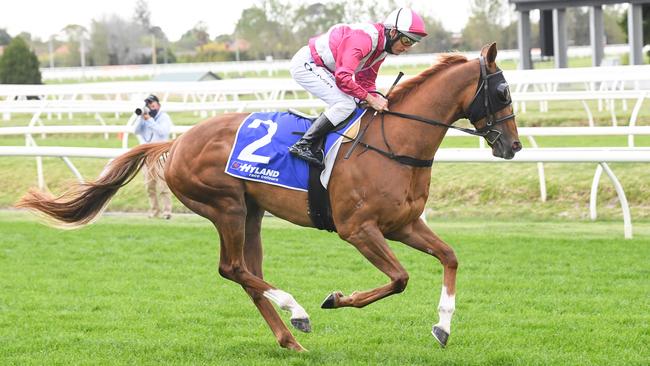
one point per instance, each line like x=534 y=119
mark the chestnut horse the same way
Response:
x=373 y=198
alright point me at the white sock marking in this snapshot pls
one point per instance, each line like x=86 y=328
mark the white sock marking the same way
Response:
x=286 y=302
x=446 y=309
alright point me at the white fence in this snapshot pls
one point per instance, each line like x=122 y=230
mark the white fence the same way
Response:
x=601 y=156
x=587 y=78
x=270 y=67
x=42 y=109
x=606 y=85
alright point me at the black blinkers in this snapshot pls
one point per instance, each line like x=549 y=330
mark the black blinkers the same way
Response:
x=492 y=95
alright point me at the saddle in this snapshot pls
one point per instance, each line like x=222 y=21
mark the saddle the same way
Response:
x=320 y=208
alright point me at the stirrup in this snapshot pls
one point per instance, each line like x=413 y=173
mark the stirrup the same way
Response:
x=308 y=156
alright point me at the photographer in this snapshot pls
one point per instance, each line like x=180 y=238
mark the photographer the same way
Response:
x=153 y=125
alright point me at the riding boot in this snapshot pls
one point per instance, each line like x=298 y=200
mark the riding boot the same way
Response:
x=302 y=148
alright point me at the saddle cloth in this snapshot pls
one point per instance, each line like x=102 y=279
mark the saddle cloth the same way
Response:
x=260 y=152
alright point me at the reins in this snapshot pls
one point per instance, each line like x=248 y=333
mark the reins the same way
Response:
x=404 y=159
x=491 y=135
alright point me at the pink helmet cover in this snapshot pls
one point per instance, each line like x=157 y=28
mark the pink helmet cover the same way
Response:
x=406 y=21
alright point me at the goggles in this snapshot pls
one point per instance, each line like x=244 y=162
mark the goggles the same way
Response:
x=406 y=41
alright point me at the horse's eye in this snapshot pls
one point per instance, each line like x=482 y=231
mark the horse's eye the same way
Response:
x=503 y=91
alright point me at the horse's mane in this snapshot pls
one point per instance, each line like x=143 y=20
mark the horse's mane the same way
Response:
x=444 y=62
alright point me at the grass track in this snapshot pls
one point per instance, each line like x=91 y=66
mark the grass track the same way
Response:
x=133 y=291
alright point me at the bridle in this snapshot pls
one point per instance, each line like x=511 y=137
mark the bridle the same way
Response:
x=494 y=96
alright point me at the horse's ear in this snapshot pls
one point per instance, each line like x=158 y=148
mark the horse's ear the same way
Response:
x=489 y=51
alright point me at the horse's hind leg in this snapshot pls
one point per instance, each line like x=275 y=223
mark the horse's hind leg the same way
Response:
x=419 y=236
x=229 y=215
x=369 y=240
x=253 y=256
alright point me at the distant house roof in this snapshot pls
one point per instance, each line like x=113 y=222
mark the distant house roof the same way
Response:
x=187 y=76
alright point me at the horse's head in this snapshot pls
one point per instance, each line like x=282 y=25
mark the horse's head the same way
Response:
x=489 y=107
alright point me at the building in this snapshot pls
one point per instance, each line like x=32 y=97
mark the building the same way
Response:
x=553 y=14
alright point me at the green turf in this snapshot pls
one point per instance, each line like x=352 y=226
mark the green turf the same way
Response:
x=128 y=290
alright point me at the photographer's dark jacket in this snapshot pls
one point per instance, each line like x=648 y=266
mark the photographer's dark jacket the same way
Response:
x=154 y=129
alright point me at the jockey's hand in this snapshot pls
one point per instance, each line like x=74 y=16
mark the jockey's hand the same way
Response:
x=377 y=102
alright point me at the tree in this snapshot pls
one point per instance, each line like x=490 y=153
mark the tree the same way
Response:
x=577 y=23
x=164 y=52
x=19 y=65
x=485 y=24
x=142 y=15
x=509 y=39
x=266 y=36
x=75 y=41
x=645 y=14
x=99 y=38
x=201 y=34
x=117 y=41
x=310 y=20
x=613 y=33
x=194 y=38
x=26 y=36
x=5 y=38
x=358 y=11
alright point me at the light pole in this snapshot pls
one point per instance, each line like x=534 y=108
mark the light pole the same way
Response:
x=154 y=58
x=82 y=48
x=77 y=31
x=50 y=48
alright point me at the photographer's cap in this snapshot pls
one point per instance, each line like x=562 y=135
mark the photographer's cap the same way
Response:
x=151 y=98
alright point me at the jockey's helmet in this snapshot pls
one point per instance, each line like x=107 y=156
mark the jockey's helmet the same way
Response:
x=407 y=22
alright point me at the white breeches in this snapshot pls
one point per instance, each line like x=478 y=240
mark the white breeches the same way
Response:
x=320 y=82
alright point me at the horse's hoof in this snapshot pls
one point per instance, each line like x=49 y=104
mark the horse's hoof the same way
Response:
x=330 y=301
x=302 y=324
x=440 y=335
x=294 y=346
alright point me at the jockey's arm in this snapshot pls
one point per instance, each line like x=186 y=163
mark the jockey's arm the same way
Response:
x=350 y=53
x=367 y=78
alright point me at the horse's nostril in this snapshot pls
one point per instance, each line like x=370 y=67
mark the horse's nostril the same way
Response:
x=516 y=146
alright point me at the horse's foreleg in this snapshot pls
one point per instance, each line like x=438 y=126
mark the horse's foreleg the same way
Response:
x=419 y=236
x=368 y=239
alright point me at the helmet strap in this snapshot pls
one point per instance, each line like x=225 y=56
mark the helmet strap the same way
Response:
x=390 y=40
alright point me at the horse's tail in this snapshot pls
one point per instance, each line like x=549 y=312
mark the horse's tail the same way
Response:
x=83 y=202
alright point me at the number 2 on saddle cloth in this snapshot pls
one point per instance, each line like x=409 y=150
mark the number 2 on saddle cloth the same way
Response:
x=260 y=152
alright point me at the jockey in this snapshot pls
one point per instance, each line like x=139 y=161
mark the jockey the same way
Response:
x=341 y=66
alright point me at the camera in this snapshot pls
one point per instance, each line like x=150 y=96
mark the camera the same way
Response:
x=143 y=110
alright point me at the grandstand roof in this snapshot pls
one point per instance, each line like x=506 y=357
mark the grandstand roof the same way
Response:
x=558 y=4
